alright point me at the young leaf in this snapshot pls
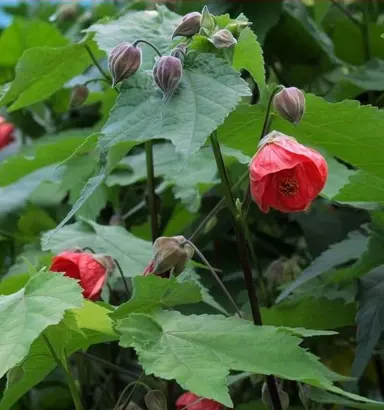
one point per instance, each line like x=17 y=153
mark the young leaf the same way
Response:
x=152 y=292
x=26 y=313
x=210 y=89
x=132 y=253
x=348 y=249
x=199 y=351
x=41 y=71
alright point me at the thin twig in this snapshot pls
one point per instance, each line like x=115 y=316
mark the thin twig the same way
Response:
x=151 y=190
x=96 y=63
x=114 y=367
x=347 y=12
x=136 y=42
x=123 y=278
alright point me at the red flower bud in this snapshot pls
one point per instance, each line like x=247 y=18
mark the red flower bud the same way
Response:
x=123 y=62
x=189 y=25
x=6 y=133
x=290 y=104
x=79 y=95
x=223 y=39
x=286 y=175
x=91 y=270
x=167 y=74
x=197 y=403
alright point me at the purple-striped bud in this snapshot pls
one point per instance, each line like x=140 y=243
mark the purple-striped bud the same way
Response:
x=167 y=74
x=123 y=62
x=290 y=104
x=223 y=39
x=189 y=25
x=79 y=95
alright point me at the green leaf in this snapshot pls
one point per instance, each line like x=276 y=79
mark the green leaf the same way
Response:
x=26 y=313
x=209 y=90
x=132 y=253
x=41 y=71
x=12 y=284
x=155 y=26
x=311 y=313
x=93 y=322
x=23 y=34
x=199 y=351
x=346 y=129
x=152 y=292
x=249 y=55
x=338 y=253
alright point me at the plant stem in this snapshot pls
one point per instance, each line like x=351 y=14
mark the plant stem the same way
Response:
x=107 y=364
x=345 y=10
x=151 y=190
x=136 y=42
x=214 y=274
x=129 y=398
x=96 y=63
x=70 y=380
x=244 y=259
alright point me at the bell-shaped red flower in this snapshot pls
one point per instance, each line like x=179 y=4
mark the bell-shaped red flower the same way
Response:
x=6 y=133
x=91 y=270
x=186 y=399
x=286 y=175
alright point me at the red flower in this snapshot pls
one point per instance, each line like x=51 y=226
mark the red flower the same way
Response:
x=186 y=399
x=86 y=267
x=286 y=175
x=6 y=133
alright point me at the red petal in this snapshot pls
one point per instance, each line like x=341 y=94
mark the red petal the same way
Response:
x=6 y=134
x=92 y=275
x=66 y=263
x=186 y=399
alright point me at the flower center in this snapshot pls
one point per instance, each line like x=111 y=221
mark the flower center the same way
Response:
x=288 y=186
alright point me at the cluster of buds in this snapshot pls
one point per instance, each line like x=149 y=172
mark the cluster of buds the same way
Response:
x=169 y=254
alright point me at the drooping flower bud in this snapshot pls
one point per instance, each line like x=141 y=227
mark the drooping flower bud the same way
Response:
x=6 y=133
x=266 y=398
x=189 y=25
x=290 y=104
x=167 y=74
x=156 y=400
x=170 y=253
x=123 y=62
x=207 y=21
x=79 y=95
x=223 y=39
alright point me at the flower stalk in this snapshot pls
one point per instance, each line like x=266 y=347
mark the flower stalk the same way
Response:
x=151 y=190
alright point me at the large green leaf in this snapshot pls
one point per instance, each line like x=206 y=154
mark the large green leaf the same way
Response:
x=96 y=327
x=26 y=313
x=199 y=351
x=346 y=130
x=132 y=253
x=152 y=292
x=23 y=34
x=155 y=26
x=308 y=312
x=41 y=71
x=249 y=55
x=348 y=249
x=209 y=90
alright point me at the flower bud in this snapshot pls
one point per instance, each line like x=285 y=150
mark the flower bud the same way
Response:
x=207 y=21
x=189 y=25
x=223 y=39
x=65 y=12
x=123 y=62
x=266 y=398
x=167 y=74
x=179 y=51
x=171 y=253
x=79 y=95
x=290 y=104
x=156 y=400
x=116 y=220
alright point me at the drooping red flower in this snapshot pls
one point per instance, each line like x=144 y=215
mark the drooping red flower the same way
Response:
x=286 y=175
x=186 y=399
x=87 y=268
x=6 y=133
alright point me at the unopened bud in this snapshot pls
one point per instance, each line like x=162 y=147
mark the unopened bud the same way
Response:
x=123 y=62
x=79 y=95
x=189 y=25
x=167 y=74
x=223 y=39
x=171 y=253
x=290 y=104
x=106 y=261
x=207 y=21
x=179 y=51
x=155 y=400
x=266 y=398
